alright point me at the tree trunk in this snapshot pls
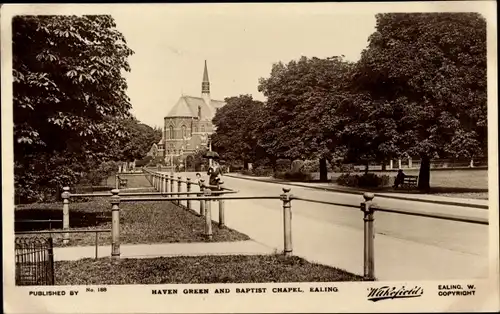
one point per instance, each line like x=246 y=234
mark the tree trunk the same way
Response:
x=323 y=170
x=245 y=164
x=273 y=163
x=367 y=167
x=384 y=165
x=424 y=176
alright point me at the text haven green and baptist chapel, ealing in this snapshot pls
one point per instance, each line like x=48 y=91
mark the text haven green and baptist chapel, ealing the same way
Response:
x=188 y=125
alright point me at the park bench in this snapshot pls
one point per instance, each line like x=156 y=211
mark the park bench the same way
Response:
x=410 y=182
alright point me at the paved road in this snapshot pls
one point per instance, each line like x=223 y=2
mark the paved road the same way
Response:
x=407 y=247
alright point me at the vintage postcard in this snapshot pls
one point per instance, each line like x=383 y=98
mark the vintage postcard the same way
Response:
x=258 y=157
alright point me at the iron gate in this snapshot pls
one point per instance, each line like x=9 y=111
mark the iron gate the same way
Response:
x=34 y=261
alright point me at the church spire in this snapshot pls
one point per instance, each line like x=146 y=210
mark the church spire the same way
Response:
x=205 y=84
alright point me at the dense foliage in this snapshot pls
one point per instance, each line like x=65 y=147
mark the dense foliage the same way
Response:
x=367 y=180
x=419 y=89
x=69 y=98
x=301 y=111
x=236 y=136
x=140 y=138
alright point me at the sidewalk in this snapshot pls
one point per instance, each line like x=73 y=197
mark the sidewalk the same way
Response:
x=426 y=198
x=164 y=250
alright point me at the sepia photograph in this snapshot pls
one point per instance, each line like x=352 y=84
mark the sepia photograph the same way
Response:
x=284 y=157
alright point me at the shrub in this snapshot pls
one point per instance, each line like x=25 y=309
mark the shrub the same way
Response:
x=343 y=168
x=293 y=175
x=258 y=172
x=283 y=165
x=297 y=165
x=347 y=179
x=367 y=180
x=143 y=162
x=97 y=176
x=310 y=166
x=246 y=172
x=262 y=172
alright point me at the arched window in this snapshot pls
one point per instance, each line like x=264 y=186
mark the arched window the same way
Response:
x=184 y=131
x=202 y=128
x=171 y=132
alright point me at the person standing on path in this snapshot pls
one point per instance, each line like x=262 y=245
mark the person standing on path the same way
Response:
x=214 y=173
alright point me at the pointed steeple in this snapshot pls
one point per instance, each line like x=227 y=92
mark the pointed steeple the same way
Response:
x=205 y=84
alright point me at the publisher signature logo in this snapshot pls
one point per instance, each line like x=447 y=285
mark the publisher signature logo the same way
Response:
x=393 y=292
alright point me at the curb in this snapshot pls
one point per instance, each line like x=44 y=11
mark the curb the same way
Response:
x=361 y=193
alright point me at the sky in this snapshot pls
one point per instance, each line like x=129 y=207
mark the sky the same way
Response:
x=240 y=45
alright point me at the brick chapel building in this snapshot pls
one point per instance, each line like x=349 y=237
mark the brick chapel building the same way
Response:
x=188 y=125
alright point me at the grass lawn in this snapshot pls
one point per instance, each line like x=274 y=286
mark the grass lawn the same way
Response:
x=198 y=269
x=133 y=181
x=452 y=183
x=140 y=222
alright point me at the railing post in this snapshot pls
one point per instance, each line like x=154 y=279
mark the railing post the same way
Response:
x=202 y=202
x=117 y=181
x=51 y=259
x=208 y=214
x=167 y=184
x=162 y=180
x=96 y=245
x=287 y=221
x=188 y=189
x=172 y=184
x=65 y=196
x=369 y=235
x=115 y=224
x=221 y=207
x=179 y=188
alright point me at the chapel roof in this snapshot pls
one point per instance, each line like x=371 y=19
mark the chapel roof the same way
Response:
x=187 y=106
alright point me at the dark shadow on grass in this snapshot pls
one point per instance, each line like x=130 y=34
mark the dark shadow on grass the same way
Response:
x=77 y=219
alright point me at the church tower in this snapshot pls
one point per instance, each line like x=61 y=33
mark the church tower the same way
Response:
x=205 y=86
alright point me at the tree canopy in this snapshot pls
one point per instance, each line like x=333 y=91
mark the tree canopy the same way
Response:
x=302 y=101
x=419 y=89
x=236 y=123
x=423 y=83
x=140 y=138
x=69 y=96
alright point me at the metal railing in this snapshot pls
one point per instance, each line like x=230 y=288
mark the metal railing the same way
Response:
x=167 y=190
x=68 y=231
x=34 y=261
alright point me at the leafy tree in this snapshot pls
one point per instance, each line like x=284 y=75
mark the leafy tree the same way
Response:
x=301 y=120
x=235 y=137
x=198 y=160
x=140 y=138
x=423 y=83
x=69 y=93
